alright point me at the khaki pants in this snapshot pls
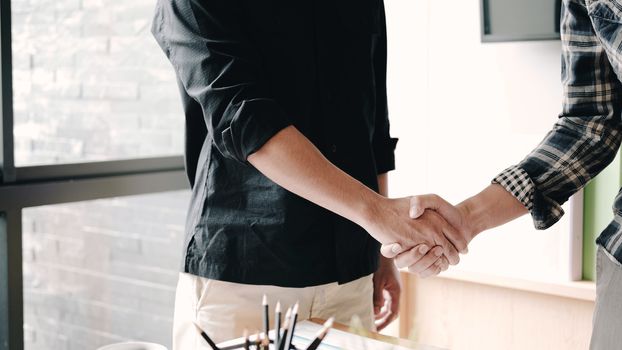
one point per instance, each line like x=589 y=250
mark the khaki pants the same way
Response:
x=224 y=310
x=608 y=310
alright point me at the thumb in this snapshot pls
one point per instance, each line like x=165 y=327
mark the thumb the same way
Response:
x=391 y=250
x=418 y=205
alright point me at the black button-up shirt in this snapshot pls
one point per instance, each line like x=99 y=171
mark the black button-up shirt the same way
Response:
x=247 y=69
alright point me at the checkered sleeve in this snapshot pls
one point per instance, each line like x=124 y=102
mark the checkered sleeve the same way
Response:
x=586 y=137
x=544 y=211
x=516 y=181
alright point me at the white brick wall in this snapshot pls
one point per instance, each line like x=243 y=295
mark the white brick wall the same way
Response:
x=90 y=83
x=93 y=60
x=103 y=271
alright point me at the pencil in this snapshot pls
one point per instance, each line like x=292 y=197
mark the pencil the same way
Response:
x=277 y=323
x=207 y=339
x=321 y=334
x=246 y=343
x=286 y=322
x=292 y=327
x=266 y=315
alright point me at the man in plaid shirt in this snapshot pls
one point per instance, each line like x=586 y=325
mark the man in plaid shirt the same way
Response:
x=584 y=140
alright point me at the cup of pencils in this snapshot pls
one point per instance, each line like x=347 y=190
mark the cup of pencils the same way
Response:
x=283 y=334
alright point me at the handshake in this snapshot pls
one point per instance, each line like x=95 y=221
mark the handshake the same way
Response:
x=424 y=233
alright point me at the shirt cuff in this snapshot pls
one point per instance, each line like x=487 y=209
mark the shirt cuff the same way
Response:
x=254 y=124
x=385 y=156
x=544 y=211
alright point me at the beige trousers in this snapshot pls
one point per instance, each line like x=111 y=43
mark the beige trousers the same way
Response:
x=224 y=310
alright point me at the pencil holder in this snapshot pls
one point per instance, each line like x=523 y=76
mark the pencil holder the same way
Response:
x=281 y=338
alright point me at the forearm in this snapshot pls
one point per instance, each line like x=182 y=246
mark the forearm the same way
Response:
x=383 y=184
x=492 y=207
x=383 y=190
x=293 y=162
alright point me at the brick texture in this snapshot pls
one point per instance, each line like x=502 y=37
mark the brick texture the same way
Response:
x=91 y=84
x=103 y=271
x=89 y=81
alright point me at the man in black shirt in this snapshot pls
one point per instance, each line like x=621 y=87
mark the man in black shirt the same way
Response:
x=287 y=152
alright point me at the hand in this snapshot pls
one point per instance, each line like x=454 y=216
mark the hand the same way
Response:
x=455 y=215
x=387 y=290
x=419 y=259
x=389 y=222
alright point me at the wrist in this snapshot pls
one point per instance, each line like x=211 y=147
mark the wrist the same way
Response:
x=386 y=265
x=370 y=209
x=384 y=261
x=473 y=217
x=492 y=207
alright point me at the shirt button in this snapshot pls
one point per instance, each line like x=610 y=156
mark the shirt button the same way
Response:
x=333 y=148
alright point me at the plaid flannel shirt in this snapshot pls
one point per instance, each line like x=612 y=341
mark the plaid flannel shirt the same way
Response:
x=587 y=136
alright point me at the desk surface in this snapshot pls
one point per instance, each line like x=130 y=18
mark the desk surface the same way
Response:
x=377 y=340
x=377 y=336
x=341 y=338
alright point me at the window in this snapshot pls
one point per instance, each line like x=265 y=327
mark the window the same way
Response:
x=102 y=271
x=90 y=83
x=92 y=136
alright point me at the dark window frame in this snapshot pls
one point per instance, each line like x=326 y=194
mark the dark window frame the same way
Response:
x=23 y=187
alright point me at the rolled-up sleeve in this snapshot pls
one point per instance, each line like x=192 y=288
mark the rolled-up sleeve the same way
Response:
x=586 y=137
x=383 y=144
x=221 y=70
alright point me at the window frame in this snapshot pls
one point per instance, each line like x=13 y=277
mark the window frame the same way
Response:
x=487 y=37
x=23 y=187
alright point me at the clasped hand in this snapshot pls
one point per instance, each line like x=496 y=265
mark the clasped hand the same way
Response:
x=424 y=233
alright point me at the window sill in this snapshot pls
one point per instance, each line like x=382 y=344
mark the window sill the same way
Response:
x=581 y=290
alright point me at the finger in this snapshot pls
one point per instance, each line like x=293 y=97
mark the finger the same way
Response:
x=418 y=205
x=448 y=249
x=451 y=253
x=435 y=231
x=392 y=313
x=445 y=264
x=382 y=315
x=457 y=239
x=378 y=299
x=394 y=306
x=390 y=250
x=434 y=270
x=411 y=256
x=428 y=260
x=380 y=325
x=383 y=312
x=389 y=315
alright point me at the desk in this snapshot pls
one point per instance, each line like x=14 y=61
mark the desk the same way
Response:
x=375 y=336
x=341 y=338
